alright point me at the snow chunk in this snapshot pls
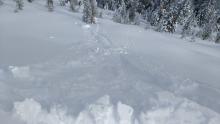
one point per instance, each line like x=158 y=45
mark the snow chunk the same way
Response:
x=87 y=26
x=170 y=109
x=84 y=118
x=31 y=112
x=104 y=112
x=100 y=112
x=20 y=72
x=51 y=37
x=125 y=113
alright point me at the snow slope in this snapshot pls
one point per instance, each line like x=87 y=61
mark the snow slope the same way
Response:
x=55 y=69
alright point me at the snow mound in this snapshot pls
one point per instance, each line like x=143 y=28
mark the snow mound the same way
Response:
x=125 y=113
x=173 y=110
x=31 y=112
x=167 y=110
x=87 y=26
x=20 y=72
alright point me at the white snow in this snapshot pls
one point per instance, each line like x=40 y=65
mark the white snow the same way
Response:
x=55 y=69
x=103 y=112
x=31 y=112
x=86 y=26
x=125 y=113
x=20 y=72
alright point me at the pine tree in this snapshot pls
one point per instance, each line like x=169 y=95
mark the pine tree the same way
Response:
x=165 y=16
x=19 y=5
x=209 y=20
x=132 y=9
x=50 y=5
x=190 y=28
x=90 y=11
x=73 y=4
x=180 y=12
x=87 y=11
x=137 y=19
x=154 y=17
x=62 y=2
x=217 y=39
x=94 y=11
x=121 y=15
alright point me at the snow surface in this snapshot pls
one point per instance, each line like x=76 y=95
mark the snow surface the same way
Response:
x=55 y=69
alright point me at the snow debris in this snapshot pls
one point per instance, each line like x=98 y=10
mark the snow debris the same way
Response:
x=20 y=72
x=51 y=37
x=103 y=112
x=87 y=26
x=31 y=112
x=125 y=113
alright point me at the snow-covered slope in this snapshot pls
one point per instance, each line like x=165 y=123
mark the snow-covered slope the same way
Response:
x=55 y=69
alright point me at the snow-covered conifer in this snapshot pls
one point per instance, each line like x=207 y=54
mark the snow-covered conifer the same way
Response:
x=184 y=11
x=132 y=9
x=217 y=40
x=190 y=28
x=87 y=13
x=19 y=5
x=62 y=2
x=164 y=16
x=121 y=15
x=137 y=19
x=209 y=21
x=73 y=4
x=94 y=11
x=50 y=5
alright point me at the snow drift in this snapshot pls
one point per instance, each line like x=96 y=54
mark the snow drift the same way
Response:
x=168 y=109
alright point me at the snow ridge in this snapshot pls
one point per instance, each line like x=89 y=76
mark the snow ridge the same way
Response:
x=180 y=111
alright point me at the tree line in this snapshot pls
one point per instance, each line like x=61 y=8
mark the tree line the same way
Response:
x=190 y=18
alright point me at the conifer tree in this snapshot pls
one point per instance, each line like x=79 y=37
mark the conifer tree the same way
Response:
x=50 y=5
x=209 y=19
x=155 y=16
x=132 y=9
x=73 y=4
x=121 y=15
x=94 y=11
x=19 y=5
x=217 y=39
x=180 y=11
x=62 y=2
x=89 y=11
x=164 y=18
x=137 y=19
x=190 y=28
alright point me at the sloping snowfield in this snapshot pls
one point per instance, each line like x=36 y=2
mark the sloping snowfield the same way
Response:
x=55 y=69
